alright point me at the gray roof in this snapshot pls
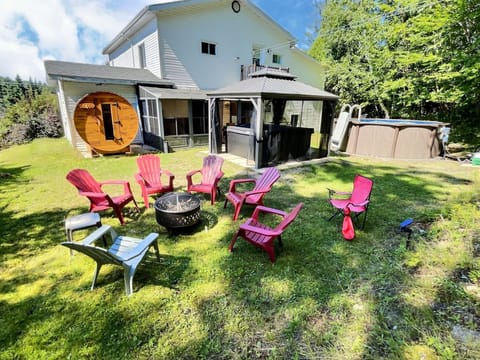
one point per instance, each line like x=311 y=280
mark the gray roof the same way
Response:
x=164 y=93
x=101 y=73
x=267 y=87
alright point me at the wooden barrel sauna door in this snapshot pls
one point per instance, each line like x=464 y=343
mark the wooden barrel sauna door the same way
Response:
x=107 y=122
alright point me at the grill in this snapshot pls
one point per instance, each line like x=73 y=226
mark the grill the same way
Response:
x=177 y=210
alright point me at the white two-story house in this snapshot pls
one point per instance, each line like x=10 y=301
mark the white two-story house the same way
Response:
x=160 y=67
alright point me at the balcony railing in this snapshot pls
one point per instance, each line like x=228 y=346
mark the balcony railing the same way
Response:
x=246 y=70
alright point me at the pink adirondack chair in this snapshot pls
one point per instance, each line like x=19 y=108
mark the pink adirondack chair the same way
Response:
x=253 y=197
x=99 y=200
x=211 y=173
x=357 y=201
x=262 y=235
x=149 y=177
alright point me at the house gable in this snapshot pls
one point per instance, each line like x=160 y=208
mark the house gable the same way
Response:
x=173 y=33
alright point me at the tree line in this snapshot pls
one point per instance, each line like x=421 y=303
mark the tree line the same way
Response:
x=28 y=110
x=414 y=59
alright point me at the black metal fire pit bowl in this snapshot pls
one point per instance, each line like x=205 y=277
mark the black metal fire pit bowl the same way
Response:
x=177 y=210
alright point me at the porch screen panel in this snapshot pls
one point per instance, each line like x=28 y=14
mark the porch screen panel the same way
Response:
x=200 y=117
x=175 y=117
x=153 y=117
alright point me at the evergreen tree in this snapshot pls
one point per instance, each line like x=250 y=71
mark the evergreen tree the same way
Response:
x=27 y=110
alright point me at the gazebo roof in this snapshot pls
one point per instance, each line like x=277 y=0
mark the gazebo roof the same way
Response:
x=272 y=84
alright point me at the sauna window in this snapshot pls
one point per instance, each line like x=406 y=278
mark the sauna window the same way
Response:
x=107 y=122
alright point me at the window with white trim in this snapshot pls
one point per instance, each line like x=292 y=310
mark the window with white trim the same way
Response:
x=276 y=59
x=209 y=48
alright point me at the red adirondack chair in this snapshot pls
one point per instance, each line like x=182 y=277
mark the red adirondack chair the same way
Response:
x=357 y=201
x=253 y=197
x=211 y=173
x=99 y=200
x=262 y=235
x=149 y=177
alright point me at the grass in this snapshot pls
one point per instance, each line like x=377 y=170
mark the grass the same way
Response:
x=325 y=298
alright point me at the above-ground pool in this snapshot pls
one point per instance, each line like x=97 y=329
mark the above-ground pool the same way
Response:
x=395 y=138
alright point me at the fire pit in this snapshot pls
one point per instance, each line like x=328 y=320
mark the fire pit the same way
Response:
x=177 y=210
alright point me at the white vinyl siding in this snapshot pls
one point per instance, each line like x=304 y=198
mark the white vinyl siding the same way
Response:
x=128 y=55
x=173 y=39
x=173 y=68
x=141 y=56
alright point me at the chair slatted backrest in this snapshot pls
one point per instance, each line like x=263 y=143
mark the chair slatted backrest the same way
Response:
x=267 y=179
x=149 y=168
x=212 y=166
x=83 y=181
x=287 y=220
x=362 y=188
x=100 y=255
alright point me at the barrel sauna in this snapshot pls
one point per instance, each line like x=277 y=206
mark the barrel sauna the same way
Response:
x=107 y=122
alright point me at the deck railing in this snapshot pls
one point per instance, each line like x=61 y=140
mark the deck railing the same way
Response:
x=246 y=70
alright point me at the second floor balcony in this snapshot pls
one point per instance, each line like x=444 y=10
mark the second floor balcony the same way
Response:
x=246 y=70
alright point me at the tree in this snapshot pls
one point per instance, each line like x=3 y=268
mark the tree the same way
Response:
x=348 y=42
x=30 y=111
x=404 y=58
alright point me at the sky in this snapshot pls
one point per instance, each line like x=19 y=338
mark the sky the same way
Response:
x=32 y=31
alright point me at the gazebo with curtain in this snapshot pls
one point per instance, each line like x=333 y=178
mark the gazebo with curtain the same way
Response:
x=271 y=118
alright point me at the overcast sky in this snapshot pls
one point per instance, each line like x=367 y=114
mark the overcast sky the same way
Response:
x=77 y=30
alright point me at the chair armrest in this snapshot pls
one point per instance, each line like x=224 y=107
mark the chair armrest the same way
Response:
x=332 y=193
x=193 y=172
x=234 y=182
x=167 y=173
x=125 y=183
x=93 y=194
x=114 y=182
x=98 y=233
x=139 y=178
x=219 y=176
x=363 y=203
x=145 y=243
x=260 y=231
x=263 y=209
x=252 y=192
x=190 y=175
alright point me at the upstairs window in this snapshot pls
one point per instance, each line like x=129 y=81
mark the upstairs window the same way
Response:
x=209 y=48
x=142 y=60
x=276 y=59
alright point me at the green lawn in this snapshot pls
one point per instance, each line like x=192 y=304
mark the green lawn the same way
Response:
x=324 y=298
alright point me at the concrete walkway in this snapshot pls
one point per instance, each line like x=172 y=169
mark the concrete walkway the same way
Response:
x=250 y=164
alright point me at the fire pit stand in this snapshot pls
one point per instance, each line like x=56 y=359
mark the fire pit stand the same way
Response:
x=177 y=210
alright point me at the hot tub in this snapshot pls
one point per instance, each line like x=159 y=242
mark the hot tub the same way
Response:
x=395 y=138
